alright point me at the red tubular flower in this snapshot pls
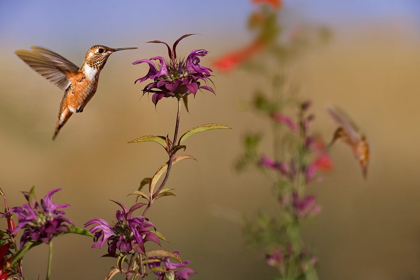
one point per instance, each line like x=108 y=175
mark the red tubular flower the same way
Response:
x=11 y=225
x=276 y=4
x=322 y=160
x=232 y=60
x=3 y=252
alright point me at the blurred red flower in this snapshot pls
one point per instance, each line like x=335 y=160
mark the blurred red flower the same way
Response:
x=277 y=4
x=323 y=160
x=232 y=60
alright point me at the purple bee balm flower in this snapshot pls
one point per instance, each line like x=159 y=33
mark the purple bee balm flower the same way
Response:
x=41 y=221
x=175 y=78
x=128 y=234
x=305 y=206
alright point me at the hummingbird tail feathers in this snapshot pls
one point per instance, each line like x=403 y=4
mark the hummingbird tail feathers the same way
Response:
x=64 y=116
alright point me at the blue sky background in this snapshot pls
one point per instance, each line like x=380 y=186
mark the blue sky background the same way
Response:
x=65 y=23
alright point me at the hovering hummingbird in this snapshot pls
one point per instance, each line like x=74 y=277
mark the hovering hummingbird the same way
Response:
x=352 y=135
x=79 y=84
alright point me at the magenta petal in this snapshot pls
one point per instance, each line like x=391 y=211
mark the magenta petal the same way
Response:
x=193 y=63
x=171 y=56
x=285 y=120
x=133 y=208
x=152 y=70
x=49 y=206
x=184 y=274
x=156 y=97
x=310 y=171
x=163 y=69
x=177 y=42
x=193 y=87
x=172 y=87
x=207 y=88
x=122 y=206
x=152 y=237
x=267 y=162
x=305 y=206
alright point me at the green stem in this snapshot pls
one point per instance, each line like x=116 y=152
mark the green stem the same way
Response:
x=49 y=260
x=171 y=157
x=278 y=99
x=310 y=273
x=295 y=238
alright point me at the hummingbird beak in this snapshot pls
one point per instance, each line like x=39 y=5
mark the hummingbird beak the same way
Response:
x=123 y=49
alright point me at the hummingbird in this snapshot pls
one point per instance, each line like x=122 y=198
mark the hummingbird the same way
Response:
x=79 y=84
x=352 y=135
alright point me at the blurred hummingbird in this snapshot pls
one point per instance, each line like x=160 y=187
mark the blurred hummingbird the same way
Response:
x=352 y=135
x=79 y=84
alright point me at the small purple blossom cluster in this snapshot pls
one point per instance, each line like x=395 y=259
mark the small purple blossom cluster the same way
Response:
x=281 y=259
x=311 y=145
x=175 y=78
x=128 y=234
x=41 y=221
x=172 y=268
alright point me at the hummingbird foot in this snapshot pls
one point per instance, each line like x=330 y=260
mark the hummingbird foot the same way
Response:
x=80 y=110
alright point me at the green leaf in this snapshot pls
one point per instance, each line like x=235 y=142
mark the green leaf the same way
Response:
x=140 y=194
x=163 y=169
x=201 y=128
x=163 y=254
x=19 y=254
x=261 y=103
x=144 y=182
x=79 y=231
x=158 y=269
x=31 y=196
x=150 y=261
x=160 y=235
x=161 y=194
x=161 y=140
x=170 y=275
x=167 y=189
x=175 y=149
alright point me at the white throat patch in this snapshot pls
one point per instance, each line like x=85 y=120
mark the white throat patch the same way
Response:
x=90 y=72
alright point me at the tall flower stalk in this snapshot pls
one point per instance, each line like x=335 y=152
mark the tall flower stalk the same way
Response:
x=127 y=237
x=297 y=154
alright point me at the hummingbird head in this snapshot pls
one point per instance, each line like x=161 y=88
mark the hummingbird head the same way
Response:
x=97 y=55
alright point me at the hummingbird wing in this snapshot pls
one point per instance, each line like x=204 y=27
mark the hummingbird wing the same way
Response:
x=348 y=125
x=49 y=64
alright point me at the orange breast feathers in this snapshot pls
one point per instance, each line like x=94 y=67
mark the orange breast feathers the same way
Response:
x=80 y=92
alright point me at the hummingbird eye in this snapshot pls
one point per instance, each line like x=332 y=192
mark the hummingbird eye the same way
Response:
x=100 y=50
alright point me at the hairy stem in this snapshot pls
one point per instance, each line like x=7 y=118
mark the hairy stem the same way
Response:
x=171 y=157
x=50 y=245
x=130 y=266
